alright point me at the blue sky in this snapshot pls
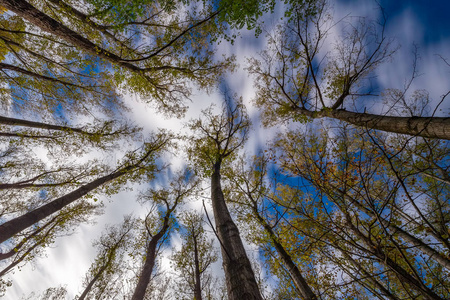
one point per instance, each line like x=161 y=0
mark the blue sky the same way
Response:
x=425 y=23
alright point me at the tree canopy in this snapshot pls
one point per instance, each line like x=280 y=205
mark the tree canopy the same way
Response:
x=310 y=173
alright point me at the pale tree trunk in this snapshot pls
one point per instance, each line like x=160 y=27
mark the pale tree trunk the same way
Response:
x=240 y=278
x=429 y=127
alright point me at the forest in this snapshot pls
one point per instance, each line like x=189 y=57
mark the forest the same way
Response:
x=220 y=149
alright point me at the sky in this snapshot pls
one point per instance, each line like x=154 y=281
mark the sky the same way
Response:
x=422 y=23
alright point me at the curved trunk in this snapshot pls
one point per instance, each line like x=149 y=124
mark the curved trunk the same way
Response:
x=429 y=127
x=241 y=282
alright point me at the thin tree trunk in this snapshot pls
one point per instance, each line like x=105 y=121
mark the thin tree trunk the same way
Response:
x=92 y=282
x=403 y=274
x=40 y=125
x=146 y=273
x=16 y=225
x=432 y=253
x=17 y=247
x=4 y=66
x=369 y=277
x=106 y=263
x=24 y=256
x=240 y=278
x=18 y=261
x=198 y=286
x=300 y=283
x=430 y=127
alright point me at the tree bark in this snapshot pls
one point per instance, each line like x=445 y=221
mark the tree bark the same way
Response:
x=46 y=23
x=198 y=286
x=24 y=255
x=92 y=282
x=383 y=258
x=429 y=127
x=146 y=273
x=240 y=278
x=300 y=283
x=33 y=124
x=16 y=225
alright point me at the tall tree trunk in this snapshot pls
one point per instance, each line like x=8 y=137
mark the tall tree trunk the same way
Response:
x=240 y=278
x=46 y=23
x=92 y=282
x=369 y=277
x=300 y=283
x=146 y=273
x=33 y=124
x=16 y=225
x=426 y=249
x=430 y=127
x=198 y=286
x=384 y=259
x=24 y=255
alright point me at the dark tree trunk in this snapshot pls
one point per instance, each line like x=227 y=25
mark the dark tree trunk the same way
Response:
x=92 y=282
x=198 y=286
x=429 y=127
x=240 y=278
x=46 y=23
x=300 y=283
x=383 y=258
x=16 y=225
x=33 y=124
x=146 y=273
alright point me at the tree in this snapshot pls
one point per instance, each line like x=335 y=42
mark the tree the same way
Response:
x=195 y=257
x=133 y=166
x=251 y=195
x=172 y=50
x=295 y=80
x=215 y=140
x=158 y=227
x=32 y=243
x=358 y=211
x=105 y=272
